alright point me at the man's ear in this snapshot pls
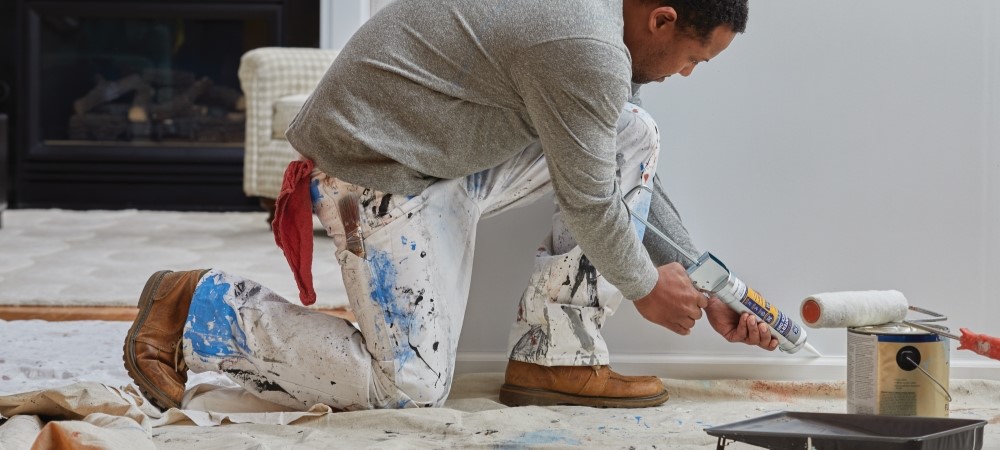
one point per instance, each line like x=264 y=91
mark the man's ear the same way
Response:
x=661 y=18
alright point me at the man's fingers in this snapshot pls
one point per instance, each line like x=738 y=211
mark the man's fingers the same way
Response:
x=679 y=329
x=740 y=333
x=767 y=342
x=765 y=332
x=682 y=325
x=702 y=302
x=753 y=334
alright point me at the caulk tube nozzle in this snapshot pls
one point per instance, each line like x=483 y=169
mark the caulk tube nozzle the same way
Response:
x=711 y=276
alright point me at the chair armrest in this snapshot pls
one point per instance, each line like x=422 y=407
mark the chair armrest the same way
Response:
x=267 y=74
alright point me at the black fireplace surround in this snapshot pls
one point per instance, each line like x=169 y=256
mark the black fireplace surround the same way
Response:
x=137 y=104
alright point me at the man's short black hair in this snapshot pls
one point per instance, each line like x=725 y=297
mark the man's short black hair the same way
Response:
x=701 y=17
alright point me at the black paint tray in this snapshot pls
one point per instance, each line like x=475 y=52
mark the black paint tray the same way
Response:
x=826 y=431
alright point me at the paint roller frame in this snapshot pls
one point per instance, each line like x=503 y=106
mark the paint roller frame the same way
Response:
x=928 y=324
x=978 y=344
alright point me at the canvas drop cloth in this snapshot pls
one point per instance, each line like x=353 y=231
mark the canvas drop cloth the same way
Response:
x=220 y=417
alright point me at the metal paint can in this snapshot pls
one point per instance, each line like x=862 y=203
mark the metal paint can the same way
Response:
x=897 y=370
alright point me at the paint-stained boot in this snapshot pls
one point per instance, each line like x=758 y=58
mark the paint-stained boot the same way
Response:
x=533 y=384
x=153 y=355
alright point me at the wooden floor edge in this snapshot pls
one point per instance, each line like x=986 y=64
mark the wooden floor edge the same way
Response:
x=112 y=313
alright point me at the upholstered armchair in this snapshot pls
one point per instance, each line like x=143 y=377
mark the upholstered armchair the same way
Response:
x=276 y=82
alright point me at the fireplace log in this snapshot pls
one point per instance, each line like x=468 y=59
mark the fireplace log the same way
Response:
x=94 y=126
x=106 y=91
x=226 y=97
x=139 y=112
x=168 y=77
x=182 y=105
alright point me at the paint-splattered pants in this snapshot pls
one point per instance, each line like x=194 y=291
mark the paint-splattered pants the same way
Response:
x=407 y=265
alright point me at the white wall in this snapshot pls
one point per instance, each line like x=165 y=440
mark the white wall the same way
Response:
x=837 y=145
x=339 y=19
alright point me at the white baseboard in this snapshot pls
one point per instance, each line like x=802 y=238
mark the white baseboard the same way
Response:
x=693 y=367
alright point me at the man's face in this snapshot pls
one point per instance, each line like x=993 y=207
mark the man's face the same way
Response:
x=676 y=52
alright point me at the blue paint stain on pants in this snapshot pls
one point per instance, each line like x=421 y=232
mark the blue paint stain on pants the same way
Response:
x=383 y=285
x=641 y=208
x=213 y=328
x=314 y=193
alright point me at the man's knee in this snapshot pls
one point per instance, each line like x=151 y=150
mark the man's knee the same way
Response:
x=638 y=134
x=638 y=143
x=426 y=393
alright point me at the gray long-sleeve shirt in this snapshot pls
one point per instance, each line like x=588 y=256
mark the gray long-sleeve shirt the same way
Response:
x=440 y=89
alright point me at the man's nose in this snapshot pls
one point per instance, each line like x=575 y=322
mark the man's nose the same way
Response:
x=686 y=71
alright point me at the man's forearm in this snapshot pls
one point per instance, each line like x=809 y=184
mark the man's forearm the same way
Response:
x=663 y=215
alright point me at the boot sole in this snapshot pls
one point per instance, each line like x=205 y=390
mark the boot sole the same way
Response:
x=521 y=396
x=146 y=386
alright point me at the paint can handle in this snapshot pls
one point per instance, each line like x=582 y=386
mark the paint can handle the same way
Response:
x=917 y=365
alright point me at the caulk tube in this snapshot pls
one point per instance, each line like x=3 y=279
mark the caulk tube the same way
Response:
x=712 y=277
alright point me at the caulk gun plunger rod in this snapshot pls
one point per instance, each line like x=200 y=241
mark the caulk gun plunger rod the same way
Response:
x=712 y=277
x=693 y=259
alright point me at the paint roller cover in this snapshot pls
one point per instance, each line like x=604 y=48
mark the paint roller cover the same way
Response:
x=853 y=308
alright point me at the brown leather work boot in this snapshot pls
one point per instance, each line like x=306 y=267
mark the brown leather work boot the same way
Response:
x=532 y=384
x=153 y=356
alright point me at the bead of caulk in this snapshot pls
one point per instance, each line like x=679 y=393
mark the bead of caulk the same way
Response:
x=809 y=347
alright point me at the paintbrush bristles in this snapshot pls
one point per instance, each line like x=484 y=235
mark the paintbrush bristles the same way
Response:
x=349 y=210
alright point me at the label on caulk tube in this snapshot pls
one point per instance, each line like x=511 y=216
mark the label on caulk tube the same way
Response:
x=766 y=312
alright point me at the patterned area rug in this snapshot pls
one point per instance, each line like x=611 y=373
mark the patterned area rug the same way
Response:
x=103 y=258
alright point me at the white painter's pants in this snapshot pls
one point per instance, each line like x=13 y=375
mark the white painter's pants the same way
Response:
x=407 y=265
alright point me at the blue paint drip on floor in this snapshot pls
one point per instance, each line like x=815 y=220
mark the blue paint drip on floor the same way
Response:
x=542 y=437
x=213 y=328
x=383 y=286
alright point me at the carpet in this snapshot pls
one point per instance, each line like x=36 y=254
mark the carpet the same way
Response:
x=57 y=257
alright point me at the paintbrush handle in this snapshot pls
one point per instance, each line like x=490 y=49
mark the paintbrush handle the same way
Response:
x=982 y=344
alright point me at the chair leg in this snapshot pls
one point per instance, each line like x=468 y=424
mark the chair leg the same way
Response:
x=269 y=205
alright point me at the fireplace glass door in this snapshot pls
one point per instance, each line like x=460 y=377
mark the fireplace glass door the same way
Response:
x=152 y=79
x=137 y=104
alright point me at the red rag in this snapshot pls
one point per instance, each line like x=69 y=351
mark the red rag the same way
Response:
x=292 y=226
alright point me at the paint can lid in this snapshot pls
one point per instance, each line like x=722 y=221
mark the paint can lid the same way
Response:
x=892 y=328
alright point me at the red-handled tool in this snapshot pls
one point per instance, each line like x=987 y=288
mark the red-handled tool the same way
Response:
x=988 y=346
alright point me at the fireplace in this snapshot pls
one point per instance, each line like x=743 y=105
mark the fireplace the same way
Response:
x=137 y=104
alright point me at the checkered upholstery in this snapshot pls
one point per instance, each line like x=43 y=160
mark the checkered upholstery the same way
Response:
x=268 y=75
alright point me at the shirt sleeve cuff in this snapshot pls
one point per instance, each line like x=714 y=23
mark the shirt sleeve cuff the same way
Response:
x=645 y=284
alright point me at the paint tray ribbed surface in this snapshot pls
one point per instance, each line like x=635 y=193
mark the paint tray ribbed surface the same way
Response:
x=825 y=431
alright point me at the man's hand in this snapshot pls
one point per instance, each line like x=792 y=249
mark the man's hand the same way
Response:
x=673 y=303
x=736 y=327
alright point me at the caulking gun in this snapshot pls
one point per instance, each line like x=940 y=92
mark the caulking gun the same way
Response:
x=714 y=279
